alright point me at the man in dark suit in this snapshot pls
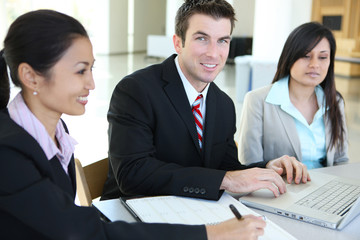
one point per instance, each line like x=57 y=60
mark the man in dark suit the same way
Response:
x=157 y=144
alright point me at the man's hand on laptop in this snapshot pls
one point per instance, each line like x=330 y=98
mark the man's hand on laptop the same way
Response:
x=249 y=180
x=290 y=167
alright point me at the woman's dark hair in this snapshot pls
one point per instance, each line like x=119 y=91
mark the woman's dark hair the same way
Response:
x=214 y=8
x=299 y=43
x=38 y=38
x=4 y=82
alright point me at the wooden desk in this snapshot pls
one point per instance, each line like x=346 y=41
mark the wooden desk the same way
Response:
x=115 y=211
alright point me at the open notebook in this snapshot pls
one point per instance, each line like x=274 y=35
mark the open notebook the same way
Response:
x=183 y=210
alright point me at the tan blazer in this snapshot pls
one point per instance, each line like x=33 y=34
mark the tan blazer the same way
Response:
x=267 y=132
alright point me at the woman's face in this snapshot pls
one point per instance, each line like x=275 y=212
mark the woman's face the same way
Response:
x=312 y=69
x=67 y=88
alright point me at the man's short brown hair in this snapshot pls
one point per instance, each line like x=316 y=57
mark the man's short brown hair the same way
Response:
x=214 y=8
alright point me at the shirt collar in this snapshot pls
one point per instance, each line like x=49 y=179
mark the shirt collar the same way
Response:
x=189 y=89
x=279 y=94
x=22 y=115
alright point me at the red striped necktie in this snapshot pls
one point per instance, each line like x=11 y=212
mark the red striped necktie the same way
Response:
x=198 y=118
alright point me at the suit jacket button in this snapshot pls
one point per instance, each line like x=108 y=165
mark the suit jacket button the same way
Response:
x=197 y=190
x=185 y=189
x=202 y=191
x=191 y=190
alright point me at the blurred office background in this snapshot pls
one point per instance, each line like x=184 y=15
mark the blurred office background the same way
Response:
x=131 y=34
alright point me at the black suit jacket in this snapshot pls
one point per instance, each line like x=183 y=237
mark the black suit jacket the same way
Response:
x=153 y=146
x=37 y=198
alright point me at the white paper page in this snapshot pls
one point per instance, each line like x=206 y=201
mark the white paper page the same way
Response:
x=183 y=210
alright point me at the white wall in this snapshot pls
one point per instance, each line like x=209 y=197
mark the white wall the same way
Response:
x=118 y=30
x=111 y=32
x=108 y=32
x=273 y=22
x=244 y=12
x=150 y=18
x=100 y=30
x=171 y=8
x=268 y=21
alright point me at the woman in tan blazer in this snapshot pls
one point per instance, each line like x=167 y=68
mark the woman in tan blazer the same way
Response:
x=300 y=114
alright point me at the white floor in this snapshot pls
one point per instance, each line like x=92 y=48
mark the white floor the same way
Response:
x=90 y=130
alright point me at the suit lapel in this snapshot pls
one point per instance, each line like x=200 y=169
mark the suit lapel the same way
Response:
x=289 y=126
x=72 y=174
x=209 y=123
x=28 y=145
x=55 y=174
x=32 y=148
x=178 y=97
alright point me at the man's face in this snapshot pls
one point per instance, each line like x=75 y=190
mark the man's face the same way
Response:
x=206 y=48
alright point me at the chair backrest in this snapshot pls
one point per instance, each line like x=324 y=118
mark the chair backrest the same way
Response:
x=90 y=180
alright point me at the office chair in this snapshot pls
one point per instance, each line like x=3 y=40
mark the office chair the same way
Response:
x=90 y=180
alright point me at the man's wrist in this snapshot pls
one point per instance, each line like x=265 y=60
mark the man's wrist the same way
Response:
x=225 y=182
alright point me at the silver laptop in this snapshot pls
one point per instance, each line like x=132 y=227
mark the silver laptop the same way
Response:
x=326 y=200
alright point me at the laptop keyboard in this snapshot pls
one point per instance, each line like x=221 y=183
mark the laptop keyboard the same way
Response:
x=334 y=197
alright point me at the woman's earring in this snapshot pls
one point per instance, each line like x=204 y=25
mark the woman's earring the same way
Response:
x=35 y=93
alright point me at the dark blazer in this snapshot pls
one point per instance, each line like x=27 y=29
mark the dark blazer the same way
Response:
x=153 y=146
x=37 y=198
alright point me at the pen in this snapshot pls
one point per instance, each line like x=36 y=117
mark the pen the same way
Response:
x=235 y=211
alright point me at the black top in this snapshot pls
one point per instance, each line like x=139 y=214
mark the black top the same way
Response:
x=37 y=198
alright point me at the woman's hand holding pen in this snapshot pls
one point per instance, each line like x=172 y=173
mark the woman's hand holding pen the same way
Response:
x=249 y=227
x=240 y=227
